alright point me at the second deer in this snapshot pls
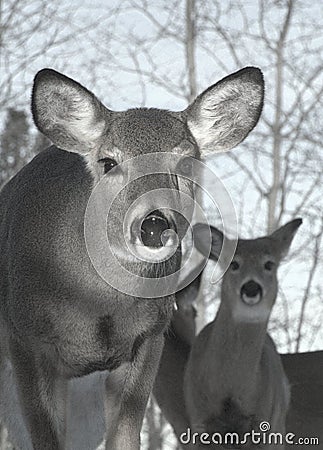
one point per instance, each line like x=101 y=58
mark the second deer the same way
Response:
x=234 y=378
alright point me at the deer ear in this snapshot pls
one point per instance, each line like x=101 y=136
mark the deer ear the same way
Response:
x=284 y=235
x=208 y=240
x=223 y=115
x=66 y=112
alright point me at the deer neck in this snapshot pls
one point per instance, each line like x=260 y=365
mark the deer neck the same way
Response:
x=237 y=345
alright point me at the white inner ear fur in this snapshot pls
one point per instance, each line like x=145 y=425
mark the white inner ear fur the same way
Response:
x=224 y=115
x=81 y=121
x=68 y=116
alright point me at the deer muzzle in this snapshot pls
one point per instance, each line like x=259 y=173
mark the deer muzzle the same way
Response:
x=251 y=293
x=154 y=236
x=154 y=229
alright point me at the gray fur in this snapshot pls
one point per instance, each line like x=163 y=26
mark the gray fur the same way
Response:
x=61 y=320
x=234 y=377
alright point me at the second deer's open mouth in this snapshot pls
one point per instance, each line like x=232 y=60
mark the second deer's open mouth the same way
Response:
x=251 y=300
x=251 y=293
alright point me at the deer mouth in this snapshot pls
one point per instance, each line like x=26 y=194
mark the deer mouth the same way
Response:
x=251 y=293
x=251 y=300
x=156 y=254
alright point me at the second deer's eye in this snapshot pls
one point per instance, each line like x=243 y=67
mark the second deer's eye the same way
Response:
x=234 y=266
x=269 y=265
x=108 y=164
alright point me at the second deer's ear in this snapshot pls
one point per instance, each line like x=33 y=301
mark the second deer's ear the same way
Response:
x=66 y=112
x=208 y=240
x=283 y=237
x=223 y=115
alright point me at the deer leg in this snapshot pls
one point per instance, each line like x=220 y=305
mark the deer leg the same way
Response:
x=42 y=396
x=128 y=391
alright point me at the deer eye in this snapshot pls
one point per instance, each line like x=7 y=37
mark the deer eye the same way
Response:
x=234 y=266
x=269 y=265
x=108 y=164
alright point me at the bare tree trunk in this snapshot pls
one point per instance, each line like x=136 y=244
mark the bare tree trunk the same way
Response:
x=276 y=168
x=1 y=26
x=155 y=426
x=190 y=44
x=190 y=48
x=2 y=437
x=4 y=443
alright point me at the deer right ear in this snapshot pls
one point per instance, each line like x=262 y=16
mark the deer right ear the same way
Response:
x=208 y=240
x=223 y=115
x=284 y=236
x=66 y=112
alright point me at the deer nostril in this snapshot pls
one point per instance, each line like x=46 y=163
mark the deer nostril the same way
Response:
x=152 y=228
x=251 y=292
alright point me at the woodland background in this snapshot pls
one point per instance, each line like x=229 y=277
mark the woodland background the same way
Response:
x=163 y=53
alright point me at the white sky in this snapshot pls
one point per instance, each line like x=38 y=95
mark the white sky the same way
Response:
x=80 y=59
x=118 y=90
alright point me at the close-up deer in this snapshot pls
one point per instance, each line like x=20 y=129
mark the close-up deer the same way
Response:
x=234 y=377
x=60 y=321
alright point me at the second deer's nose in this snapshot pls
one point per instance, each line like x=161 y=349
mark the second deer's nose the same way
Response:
x=152 y=229
x=251 y=293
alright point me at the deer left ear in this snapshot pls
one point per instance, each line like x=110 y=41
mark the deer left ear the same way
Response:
x=284 y=236
x=67 y=113
x=208 y=240
x=223 y=115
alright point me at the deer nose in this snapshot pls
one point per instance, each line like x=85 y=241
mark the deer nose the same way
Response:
x=251 y=293
x=153 y=229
